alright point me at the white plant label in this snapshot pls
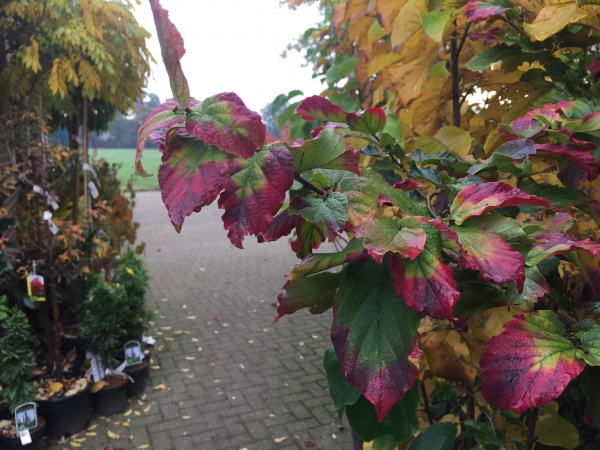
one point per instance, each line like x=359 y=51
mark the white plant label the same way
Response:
x=93 y=189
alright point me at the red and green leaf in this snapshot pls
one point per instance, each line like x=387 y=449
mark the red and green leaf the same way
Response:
x=373 y=334
x=395 y=196
x=163 y=116
x=320 y=108
x=315 y=293
x=329 y=150
x=382 y=234
x=370 y=121
x=426 y=283
x=486 y=252
x=551 y=244
x=530 y=363
x=225 y=121
x=319 y=262
x=309 y=237
x=282 y=225
x=535 y=287
x=476 y=199
x=332 y=212
x=255 y=191
x=171 y=47
x=191 y=176
x=571 y=154
x=484 y=9
x=362 y=197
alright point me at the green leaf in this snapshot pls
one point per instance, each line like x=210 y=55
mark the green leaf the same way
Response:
x=488 y=57
x=396 y=196
x=393 y=128
x=439 y=436
x=315 y=293
x=286 y=115
x=333 y=212
x=319 y=262
x=591 y=387
x=385 y=442
x=557 y=432
x=340 y=69
x=590 y=340
x=328 y=151
x=362 y=198
x=448 y=138
x=401 y=422
x=435 y=23
x=506 y=227
x=373 y=333
x=343 y=393
x=282 y=99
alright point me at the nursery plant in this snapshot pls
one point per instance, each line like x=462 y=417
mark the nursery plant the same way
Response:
x=455 y=147
x=16 y=359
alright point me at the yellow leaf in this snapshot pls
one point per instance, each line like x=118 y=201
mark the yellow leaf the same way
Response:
x=491 y=322
x=556 y=431
x=448 y=138
x=55 y=387
x=387 y=10
x=129 y=271
x=93 y=427
x=137 y=413
x=380 y=62
x=280 y=439
x=75 y=444
x=147 y=408
x=97 y=386
x=448 y=356
x=128 y=413
x=407 y=23
x=143 y=446
x=92 y=433
x=552 y=19
x=112 y=435
x=186 y=417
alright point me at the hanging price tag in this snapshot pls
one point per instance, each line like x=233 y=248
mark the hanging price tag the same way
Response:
x=90 y=169
x=47 y=216
x=49 y=199
x=93 y=189
x=96 y=364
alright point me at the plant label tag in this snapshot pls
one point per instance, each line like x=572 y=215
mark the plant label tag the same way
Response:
x=97 y=369
x=35 y=288
x=148 y=340
x=25 y=420
x=91 y=170
x=93 y=190
x=133 y=353
x=25 y=437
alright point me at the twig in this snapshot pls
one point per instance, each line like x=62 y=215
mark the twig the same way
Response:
x=511 y=24
x=311 y=187
x=341 y=237
x=424 y=393
x=462 y=41
x=426 y=197
x=532 y=425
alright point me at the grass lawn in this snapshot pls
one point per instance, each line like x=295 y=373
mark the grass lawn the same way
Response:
x=126 y=156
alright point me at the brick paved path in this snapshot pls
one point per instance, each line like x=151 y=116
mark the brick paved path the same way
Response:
x=245 y=382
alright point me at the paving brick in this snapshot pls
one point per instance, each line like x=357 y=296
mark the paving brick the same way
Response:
x=281 y=391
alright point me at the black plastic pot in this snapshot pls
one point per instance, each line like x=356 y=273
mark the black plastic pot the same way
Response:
x=357 y=443
x=139 y=377
x=111 y=401
x=4 y=411
x=37 y=439
x=67 y=415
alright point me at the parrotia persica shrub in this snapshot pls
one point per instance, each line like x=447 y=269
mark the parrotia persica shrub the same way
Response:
x=468 y=293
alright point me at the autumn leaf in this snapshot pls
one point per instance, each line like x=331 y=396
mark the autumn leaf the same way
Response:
x=551 y=19
x=282 y=225
x=332 y=212
x=320 y=108
x=382 y=234
x=314 y=292
x=551 y=244
x=479 y=198
x=530 y=363
x=449 y=357
x=484 y=9
x=371 y=319
x=573 y=155
x=319 y=262
x=370 y=121
x=224 y=120
x=329 y=150
x=255 y=191
x=447 y=139
x=171 y=46
x=192 y=175
x=426 y=283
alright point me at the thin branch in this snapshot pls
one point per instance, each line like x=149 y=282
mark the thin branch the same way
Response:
x=341 y=237
x=426 y=197
x=462 y=41
x=424 y=393
x=454 y=53
x=311 y=187
x=532 y=426
x=511 y=24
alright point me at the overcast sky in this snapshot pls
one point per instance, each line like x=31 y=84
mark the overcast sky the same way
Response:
x=235 y=45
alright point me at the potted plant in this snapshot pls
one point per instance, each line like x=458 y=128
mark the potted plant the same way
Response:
x=102 y=324
x=16 y=359
x=131 y=274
